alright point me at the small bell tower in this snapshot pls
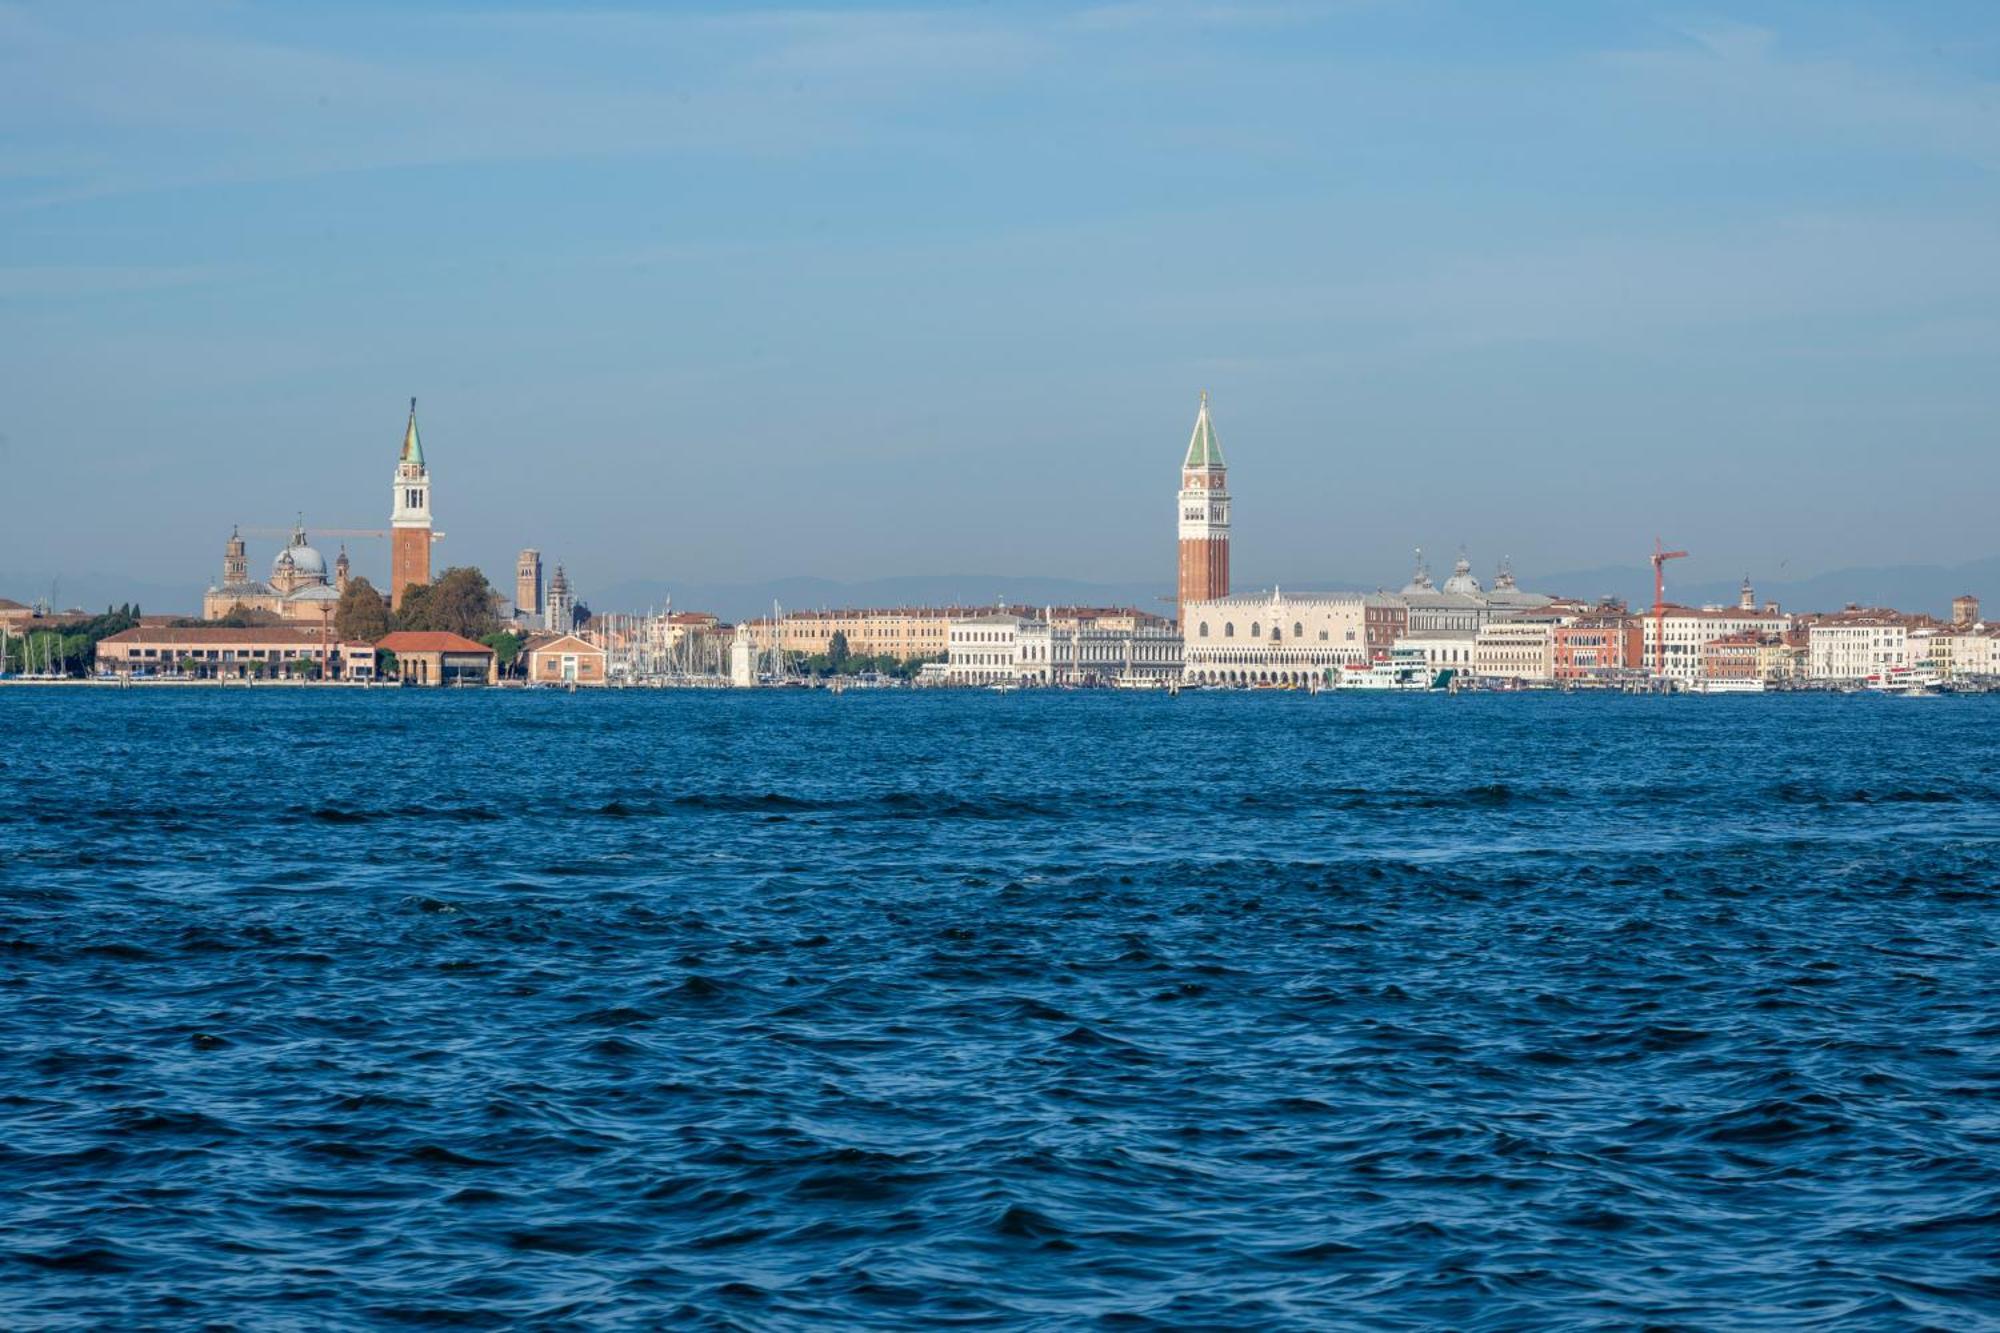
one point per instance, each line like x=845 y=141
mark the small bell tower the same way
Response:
x=235 y=563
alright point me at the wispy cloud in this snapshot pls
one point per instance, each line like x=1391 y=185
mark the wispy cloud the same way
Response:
x=1744 y=75
x=187 y=105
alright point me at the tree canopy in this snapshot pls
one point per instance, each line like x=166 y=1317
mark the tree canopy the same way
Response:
x=69 y=647
x=506 y=647
x=460 y=602
x=361 y=616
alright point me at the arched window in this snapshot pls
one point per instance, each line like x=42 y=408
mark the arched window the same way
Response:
x=1256 y=630
x=1204 y=629
x=1228 y=629
x=1298 y=629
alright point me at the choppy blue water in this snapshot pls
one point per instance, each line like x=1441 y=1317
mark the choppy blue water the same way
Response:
x=793 y=1010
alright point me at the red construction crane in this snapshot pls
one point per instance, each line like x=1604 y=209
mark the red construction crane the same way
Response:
x=1660 y=557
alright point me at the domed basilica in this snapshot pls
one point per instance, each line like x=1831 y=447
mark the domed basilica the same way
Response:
x=299 y=587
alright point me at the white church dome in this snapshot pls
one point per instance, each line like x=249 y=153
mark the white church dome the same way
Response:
x=302 y=559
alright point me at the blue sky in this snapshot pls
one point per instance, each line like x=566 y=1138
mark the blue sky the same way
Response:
x=735 y=292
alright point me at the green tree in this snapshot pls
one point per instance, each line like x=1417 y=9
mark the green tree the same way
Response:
x=579 y=616
x=385 y=663
x=836 y=649
x=414 y=612
x=506 y=647
x=460 y=602
x=361 y=615
x=240 y=616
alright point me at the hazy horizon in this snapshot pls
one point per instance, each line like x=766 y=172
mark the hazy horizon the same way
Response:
x=736 y=295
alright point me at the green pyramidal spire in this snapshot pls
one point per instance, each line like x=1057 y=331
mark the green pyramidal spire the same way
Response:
x=413 y=446
x=1203 y=451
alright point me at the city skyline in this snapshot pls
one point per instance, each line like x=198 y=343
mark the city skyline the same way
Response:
x=730 y=297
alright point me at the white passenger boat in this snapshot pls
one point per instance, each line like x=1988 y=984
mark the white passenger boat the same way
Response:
x=1906 y=680
x=1403 y=669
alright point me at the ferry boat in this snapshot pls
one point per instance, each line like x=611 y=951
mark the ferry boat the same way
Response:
x=1751 y=686
x=1403 y=669
x=1906 y=680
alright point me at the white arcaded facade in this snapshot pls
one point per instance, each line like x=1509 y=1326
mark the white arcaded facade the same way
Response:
x=1286 y=638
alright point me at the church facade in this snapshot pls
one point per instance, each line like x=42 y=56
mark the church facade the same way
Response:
x=301 y=587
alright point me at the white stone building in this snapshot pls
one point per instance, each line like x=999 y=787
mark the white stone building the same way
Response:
x=1853 y=646
x=1688 y=630
x=983 y=650
x=1287 y=638
x=1516 y=650
x=1956 y=652
x=1052 y=652
x=1061 y=649
x=1441 y=650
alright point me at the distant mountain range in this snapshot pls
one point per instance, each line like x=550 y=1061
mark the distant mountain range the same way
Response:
x=94 y=591
x=1906 y=587
x=1927 y=588
x=736 y=601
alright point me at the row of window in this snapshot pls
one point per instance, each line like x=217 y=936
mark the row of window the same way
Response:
x=227 y=654
x=1257 y=631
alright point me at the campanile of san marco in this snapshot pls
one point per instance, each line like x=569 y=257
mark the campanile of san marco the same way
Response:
x=1204 y=522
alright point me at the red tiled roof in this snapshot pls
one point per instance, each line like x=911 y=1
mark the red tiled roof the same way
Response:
x=541 y=643
x=430 y=641
x=213 y=634
x=1704 y=613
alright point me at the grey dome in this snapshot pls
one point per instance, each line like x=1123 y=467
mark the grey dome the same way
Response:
x=302 y=558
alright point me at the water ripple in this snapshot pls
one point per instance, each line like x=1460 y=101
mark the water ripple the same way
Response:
x=472 y=1009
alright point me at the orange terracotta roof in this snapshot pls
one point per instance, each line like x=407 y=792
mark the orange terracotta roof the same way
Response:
x=430 y=641
x=543 y=642
x=213 y=634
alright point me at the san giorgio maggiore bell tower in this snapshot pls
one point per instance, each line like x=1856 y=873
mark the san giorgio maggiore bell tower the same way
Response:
x=410 y=517
x=1204 y=523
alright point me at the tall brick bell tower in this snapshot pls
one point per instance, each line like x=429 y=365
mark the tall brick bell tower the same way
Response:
x=410 y=518
x=1204 y=524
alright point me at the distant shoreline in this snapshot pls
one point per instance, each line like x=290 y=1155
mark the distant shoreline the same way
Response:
x=510 y=687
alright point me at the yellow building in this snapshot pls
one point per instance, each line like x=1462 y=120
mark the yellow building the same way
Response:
x=903 y=632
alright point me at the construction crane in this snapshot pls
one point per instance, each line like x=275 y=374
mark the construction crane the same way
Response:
x=261 y=530
x=1660 y=557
